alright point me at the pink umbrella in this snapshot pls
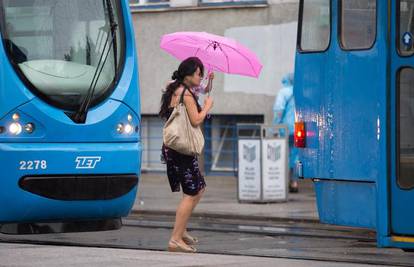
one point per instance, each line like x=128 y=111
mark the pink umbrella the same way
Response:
x=216 y=52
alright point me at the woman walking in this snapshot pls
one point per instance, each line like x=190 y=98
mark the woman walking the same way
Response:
x=183 y=170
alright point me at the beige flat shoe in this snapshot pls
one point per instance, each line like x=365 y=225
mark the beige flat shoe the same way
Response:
x=174 y=246
x=189 y=240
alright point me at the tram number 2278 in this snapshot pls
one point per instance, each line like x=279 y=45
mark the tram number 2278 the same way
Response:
x=32 y=165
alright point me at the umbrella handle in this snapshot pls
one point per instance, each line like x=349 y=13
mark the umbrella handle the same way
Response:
x=208 y=81
x=209 y=71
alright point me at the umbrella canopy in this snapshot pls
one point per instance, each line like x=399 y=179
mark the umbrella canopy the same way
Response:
x=216 y=52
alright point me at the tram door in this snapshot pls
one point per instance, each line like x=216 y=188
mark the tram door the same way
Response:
x=402 y=118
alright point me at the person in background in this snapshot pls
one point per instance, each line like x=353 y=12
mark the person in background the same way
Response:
x=284 y=113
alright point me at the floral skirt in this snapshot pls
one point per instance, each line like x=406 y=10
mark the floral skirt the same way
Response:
x=183 y=170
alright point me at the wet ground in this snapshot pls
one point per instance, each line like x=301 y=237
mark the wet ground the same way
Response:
x=281 y=239
x=230 y=233
x=220 y=199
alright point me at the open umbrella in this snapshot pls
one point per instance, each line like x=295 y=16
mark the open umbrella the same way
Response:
x=216 y=52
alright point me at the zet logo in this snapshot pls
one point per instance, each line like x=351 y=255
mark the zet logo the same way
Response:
x=87 y=162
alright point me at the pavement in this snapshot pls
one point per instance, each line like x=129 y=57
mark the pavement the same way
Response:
x=220 y=200
x=26 y=255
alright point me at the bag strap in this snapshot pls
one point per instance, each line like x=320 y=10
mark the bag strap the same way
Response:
x=192 y=94
x=182 y=95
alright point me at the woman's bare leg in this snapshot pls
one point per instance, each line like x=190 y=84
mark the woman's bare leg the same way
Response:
x=182 y=215
x=195 y=202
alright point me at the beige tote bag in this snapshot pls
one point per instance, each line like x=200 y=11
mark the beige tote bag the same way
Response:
x=180 y=135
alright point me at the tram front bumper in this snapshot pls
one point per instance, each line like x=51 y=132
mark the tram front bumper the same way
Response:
x=67 y=181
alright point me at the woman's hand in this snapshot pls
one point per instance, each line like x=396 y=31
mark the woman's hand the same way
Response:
x=209 y=83
x=208 y=103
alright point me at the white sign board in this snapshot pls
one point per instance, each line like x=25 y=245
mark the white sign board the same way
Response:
x=274 y=169
x=249 y=183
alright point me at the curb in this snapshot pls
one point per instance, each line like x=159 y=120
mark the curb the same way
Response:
x=226 y=216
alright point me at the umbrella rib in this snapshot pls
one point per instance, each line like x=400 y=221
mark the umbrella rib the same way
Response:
x=248 y=60
x=209 y=63
x=198 y=49
x=209 y=44
x=227 y=57
x=169 y=49
x=192 y=38
x=178 y=38
x=212 y=43
x=218 y=68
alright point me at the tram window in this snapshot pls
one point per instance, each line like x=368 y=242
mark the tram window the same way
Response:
x=358 y=24
x=406 y=27
x=315 y=25
x=406 y=128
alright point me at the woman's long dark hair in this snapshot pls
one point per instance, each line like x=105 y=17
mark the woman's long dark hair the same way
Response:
x=187 y=68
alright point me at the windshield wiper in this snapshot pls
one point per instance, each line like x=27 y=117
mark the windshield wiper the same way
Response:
x=80 y=115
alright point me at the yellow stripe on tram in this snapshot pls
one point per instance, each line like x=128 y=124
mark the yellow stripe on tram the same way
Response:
x=403 y=239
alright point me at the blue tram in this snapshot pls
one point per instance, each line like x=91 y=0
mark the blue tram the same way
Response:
x=354 y=93
x=70 y=148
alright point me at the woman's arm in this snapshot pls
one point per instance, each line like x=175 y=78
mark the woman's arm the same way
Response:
x=196 y=118
x=209 y=85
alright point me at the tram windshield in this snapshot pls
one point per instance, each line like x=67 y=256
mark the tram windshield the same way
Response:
x=56 y=45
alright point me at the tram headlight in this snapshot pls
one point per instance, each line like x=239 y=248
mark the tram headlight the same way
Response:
x=15 y=128
x=29 y=127
x=125 y=128
x=16 y=116
x=120 y=128
x=128 y=129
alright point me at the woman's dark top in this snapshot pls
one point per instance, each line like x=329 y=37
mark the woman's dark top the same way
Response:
x=183 y=169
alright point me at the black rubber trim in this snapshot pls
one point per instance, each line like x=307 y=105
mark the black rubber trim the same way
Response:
x=61 y=227
x=79 y=187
